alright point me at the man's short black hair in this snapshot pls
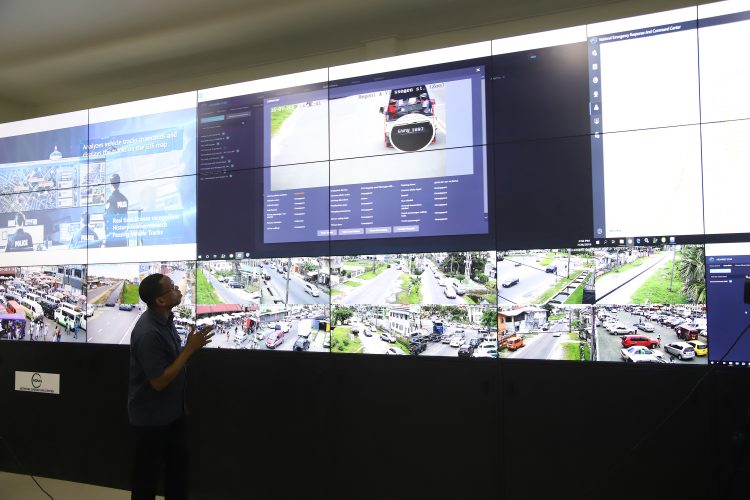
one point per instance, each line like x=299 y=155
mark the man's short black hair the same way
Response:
x=151 y=288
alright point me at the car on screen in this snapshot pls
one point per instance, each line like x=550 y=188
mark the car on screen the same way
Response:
x=646 y=327
x=642 y=354
x=466 y=350
x=631 y=340
x=275 y=339
x=394 y=351
x=680 y=350
x=456 y=341
x=301 y=344
x=387 y=337
x=700 y=348
x=687 y=333
x=449 y=292
x=125 y=307
x=410 y=106
x=486 y=353
x=510 y=282
x=623 y=330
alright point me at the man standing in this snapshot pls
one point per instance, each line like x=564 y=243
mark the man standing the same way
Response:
x=20 y=241
x=156 y=396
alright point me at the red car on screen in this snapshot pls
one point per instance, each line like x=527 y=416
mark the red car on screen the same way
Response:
x=275 y=339
x=631 y=340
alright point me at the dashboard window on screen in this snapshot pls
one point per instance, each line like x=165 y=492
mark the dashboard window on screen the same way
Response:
x=407 y=146
x=42 y=197
x=723 y=32
x=727 y=274
x=278 y=126
x=645 y=141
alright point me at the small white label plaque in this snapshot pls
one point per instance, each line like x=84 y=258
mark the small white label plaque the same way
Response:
x=47 y=383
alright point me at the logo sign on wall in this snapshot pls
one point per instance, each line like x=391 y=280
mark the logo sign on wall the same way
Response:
x=46 y=383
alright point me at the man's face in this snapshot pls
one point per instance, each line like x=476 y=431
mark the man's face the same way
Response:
x=171 y=295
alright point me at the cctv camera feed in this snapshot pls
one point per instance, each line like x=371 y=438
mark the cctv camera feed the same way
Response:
x=275 y=304
x=651 y=304
x=540 y=277
x=44 y=304
x=426 y=330
x=41 y=204
x=114 y=306
x=445 y=278
x=549 y=331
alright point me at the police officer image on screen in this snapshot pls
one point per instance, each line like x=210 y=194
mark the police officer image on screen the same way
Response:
x=20 y=241
x=85 y=237
x=117 y=204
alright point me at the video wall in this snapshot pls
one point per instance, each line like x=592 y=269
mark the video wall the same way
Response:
x=575 y=194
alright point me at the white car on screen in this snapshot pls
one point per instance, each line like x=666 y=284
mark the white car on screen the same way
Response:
x=450 y=292
x=486 y=353
x=611 y=327
x=457 y=341
x=641 y=354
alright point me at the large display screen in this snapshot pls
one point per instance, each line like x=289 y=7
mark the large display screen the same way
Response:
x=576 y=194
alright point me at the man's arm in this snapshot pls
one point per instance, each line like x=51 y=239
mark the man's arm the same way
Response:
x=196 y=341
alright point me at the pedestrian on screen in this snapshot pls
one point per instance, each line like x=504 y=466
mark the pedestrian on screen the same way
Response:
x=156 y=396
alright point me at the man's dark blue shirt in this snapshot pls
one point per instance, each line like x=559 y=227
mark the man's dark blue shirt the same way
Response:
x=154 y=345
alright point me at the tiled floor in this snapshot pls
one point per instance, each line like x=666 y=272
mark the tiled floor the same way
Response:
x=18 y=487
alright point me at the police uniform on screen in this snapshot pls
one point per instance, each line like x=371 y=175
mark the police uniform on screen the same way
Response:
x=20 y=241
x=85 y=237
x=117 y=204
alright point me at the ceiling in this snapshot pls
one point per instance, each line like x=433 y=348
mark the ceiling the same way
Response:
x=54 y=52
